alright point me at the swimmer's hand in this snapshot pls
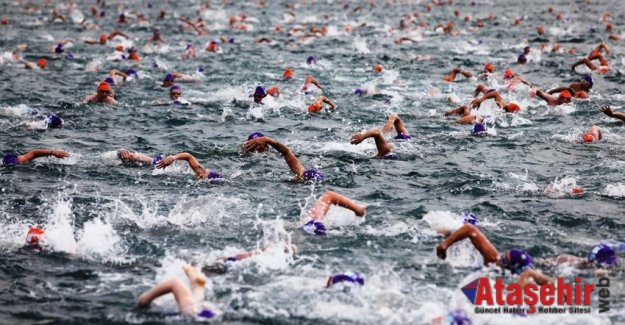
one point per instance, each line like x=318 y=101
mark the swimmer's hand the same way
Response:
x=475 y=103
x=358 y=138
x=60 y=153
x=441 y=252
x=125 y=155
x=607 y=110
x=257 y=144
x=165 y=162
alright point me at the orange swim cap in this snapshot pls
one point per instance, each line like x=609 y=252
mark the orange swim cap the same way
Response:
x=103 y=37
x=603 y=69
x=512 y=107
x=448 y=79
x=33 y=236
x=104 y=86
x=314 y=107
x=288 y=73
x=577 y=190
x=565 y=94
x=119 y=48
x=581 y=94
x=273 y=91
x=134 y=56
x=587 y=137
x=508 y=74
x=42 y=63
x=378 y=68
x=517 y=21
x=489 y=67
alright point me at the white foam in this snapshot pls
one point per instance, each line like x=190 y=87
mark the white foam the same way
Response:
x=615 y=190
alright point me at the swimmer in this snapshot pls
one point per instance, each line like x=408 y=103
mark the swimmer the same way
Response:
x=593 y=135
x=595 y=55
x=315 y=216
x=512 y=78
x=607 y=110
x=515 y=260
x=316 y=107
x=156 y=36
x=288 y=74
x=347 y=277
x=310 y=80
x=41 y=63
x=104 y=38
x=578 y=89
x=493 y=94
x=10 y=158
x=488 y=69
x=273 y=91
x=104 y=94
x=198 y=169
x=175 y=94
x=260 y=143
x=170 y=79
x=190 y=301
x=564 y=97
x=60 y=47
x=259 y=94
x=35 y=237
x=213 y=47
x=53 y=121
x=452 y=75
x=189 y=52
x=394 y=121
x=602 y=255
x=401 y=40
x=383 y=147
x=222 y=264
x=132 y=54
x=133 y=158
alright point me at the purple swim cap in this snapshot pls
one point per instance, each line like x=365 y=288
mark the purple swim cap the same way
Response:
x=189 y=45
x=233 y=259
x=176 y=87
x=156 y=31
x=156 y=159
x=603 y=254
x=403 y=136
x=469 y=217
x=519 y=261
x=169 y=77
x=391 y=156
x=388 y=101
x=59 y=48
x=527 y=49
x=313 y=175
x=110 y=80
x=214 y=175
x=478 y=128
x=201 y=68
x=53 y=121
x=10 y=158
x=315 y=227
x=522 y=59
x=132 y=49
x=458 y=317
x=206 y=313
x=260 y=91
x=231 y=40
x=588 y=78
x=255 y=135
x=132 y=72
x=351 y=277
x=311 y=59
x=360 y=91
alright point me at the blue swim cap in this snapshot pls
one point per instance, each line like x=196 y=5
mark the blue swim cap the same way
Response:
x=214 y=175
x=588 y=78
x=132 y=72
x=53 y=121
x=403 y=136
x=200 y=68
x=255 y=135
x=232 y=259
x=10 y=158
x=522 y=59
x=156 y=31
x=478 y=128
x=469 y=217
x=391 y=156
x=59 y=48
x=360 y=91
x=169 y=77
x=156 y=159
x=603 y=254
x=175 y=87
x=260 y=91
x=315 y=228
x=110 y=80
x=351 y=277
x=311 y=59
x=313 y=175
x=458 y=317
x=519 y=261
x=206 y=313
x=231 y=40
x=132 y=49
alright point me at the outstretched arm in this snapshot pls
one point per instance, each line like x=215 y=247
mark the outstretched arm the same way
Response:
x=531 y=274
x=493 y=94
x=322 y=205
x=114 y=73
x=558 y=90
x=198 y=169
x=548 y=98
x=607 y=110
x=327 y=101
x=480 y=242
x=395 y=121
x=383 y=146
x=129 y=156
x=585 y=61
x=37 y=153
x=296 y=167
x=116 y=33
x=185 y=298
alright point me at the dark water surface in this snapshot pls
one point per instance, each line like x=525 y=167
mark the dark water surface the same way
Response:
x=115 y=230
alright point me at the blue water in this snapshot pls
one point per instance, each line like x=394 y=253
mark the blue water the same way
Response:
x=115 y=230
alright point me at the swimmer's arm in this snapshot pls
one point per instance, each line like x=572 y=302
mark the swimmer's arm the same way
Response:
x=129 y=156
x=240 y=256
x=548 y=98
x=604 y=47
x=607 y=110
x=91 y=42
x=479 y=241
x=199 y=170
x=114 y=73
x=535 y=275
x=493 y=94
x=322 y=205
x=380 y=143
x=117 y=33
x=327 y=101
x=37 y=153
x=315 y=82
x=557 y=90
x=296 y=166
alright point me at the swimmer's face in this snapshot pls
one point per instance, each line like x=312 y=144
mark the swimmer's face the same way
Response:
x=258 y=98
x=261 y=149
x=102 y=94
x=167 y=83
x=175 y=95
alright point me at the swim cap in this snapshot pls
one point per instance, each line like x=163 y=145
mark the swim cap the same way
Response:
x=469 y=217
x=176 y=87
x=314 y=107
x=201 y=68
x=478 y=128
x=588 y=78
x=231 y=40
x=391 y=156
x=260 y=91
x=206 y=313
x=360 y=91
x=522 y=59
x=311 y=59
x=255 y=135
x=132 y=72
x=508 y=74
x=512 y=107
x=313 y=175
x=387 y=101
x=489 y=67
x=351 y=277
x=527 y=49
x=214 y=175
x=132 y=50
x=103 y=37
x=33 y=236
x=189 y=46
x=378 y=68
x=581 y=94
x=53 y=121
x=104 y=86
x=119 y=48
x=315 y=228
x=288 y=73
x=169 y=77
x=565 y=94
x=403 y=136
x=110 y=80
x=10 y=158
x=232 y=259
x=603 y=254
x=587 y=137
x=156 y=31
x=519 y=261
x=156 y=159
x=59 y=48
x=273 y=91
x=458 y=317
x=42 y=63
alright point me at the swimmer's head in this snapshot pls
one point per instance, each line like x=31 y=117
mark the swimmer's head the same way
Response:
x=156 y=32
x=489 y=67
x=110 y=80
x=512 y=107
x=587 y=137
x=527 y=49
x=259 y=94
x=478 y=128
x=214 y=175
x=255 y=135
x=175 y=92
x=104 y=87
x=565 y=96
x=273 y=91
x=132 y=73
x=403 y=136
x=288 y=73
x=508 y=74
x=34 y=236
x=347 y=277
x=231 y=40
x=378 y=68
x=169 y=80
x=53 y=121
x=42 y=63
x=517 y=261
x=314 y=227
x=103 y=38
x=59 y=48
x=312 y=175
x=10 y=158
x=458 y=317
x=522 y=59
x=360 y=91
x=469 y=217
x=581 y=94
x=311 y=60
x=119 y=48
x=603 y=255
x=201 y=69
x=588 y=79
